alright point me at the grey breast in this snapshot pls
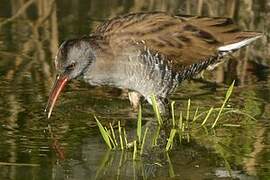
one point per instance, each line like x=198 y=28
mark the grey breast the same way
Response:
x=138 y=70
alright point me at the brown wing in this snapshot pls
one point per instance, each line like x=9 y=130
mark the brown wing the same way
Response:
x=183 y=40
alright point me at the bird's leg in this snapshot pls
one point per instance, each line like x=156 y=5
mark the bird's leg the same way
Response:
x=134 y=98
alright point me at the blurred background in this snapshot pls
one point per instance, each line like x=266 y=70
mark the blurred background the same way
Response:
x=30 y=33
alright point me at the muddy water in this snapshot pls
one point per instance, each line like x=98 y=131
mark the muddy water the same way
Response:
x=69 y=146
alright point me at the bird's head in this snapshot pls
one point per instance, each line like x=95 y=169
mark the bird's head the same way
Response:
x=73 y=58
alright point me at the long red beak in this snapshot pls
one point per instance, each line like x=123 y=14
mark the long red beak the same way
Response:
x=59 y=84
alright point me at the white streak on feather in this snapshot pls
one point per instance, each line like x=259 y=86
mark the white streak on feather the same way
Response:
x=238 y=45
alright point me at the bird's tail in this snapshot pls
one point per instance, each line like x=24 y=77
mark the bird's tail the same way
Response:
x=239 y=40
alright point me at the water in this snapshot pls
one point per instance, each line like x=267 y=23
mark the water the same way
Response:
x=74 y=149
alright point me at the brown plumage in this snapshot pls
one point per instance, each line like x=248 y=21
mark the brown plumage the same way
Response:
x=148 y=53
x=184 y=40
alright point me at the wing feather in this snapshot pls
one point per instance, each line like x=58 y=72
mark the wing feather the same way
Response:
x=184 y=40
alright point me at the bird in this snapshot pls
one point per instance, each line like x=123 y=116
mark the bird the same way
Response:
x=147 y=53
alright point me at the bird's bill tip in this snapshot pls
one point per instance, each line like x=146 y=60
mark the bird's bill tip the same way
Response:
x=58 y=86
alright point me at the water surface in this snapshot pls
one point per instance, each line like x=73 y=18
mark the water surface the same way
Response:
x=73 y=147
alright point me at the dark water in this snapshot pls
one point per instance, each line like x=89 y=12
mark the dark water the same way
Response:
x=74 y=149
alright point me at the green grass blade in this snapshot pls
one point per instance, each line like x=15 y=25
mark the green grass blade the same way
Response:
x=207 y=116
x=229 y=91
x=171 y=171
x=155 y=137
x=110 y=137
x=104 y=133
x=125 y=138
x=195 y=115
x=156 y=109
x=170 y=140
x=139 y=124
x=228 y=94
x=134 y=151
x=120 y=136
x=113 y=135
x=143 y=140
x=231 y=125
x=173 y=116
x=214 y=110
x=188 y=110
x=237 y=111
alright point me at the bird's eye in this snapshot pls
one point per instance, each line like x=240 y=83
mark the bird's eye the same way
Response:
x=70 y=67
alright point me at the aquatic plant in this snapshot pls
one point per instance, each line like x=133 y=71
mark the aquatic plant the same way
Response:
x=184 y=127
